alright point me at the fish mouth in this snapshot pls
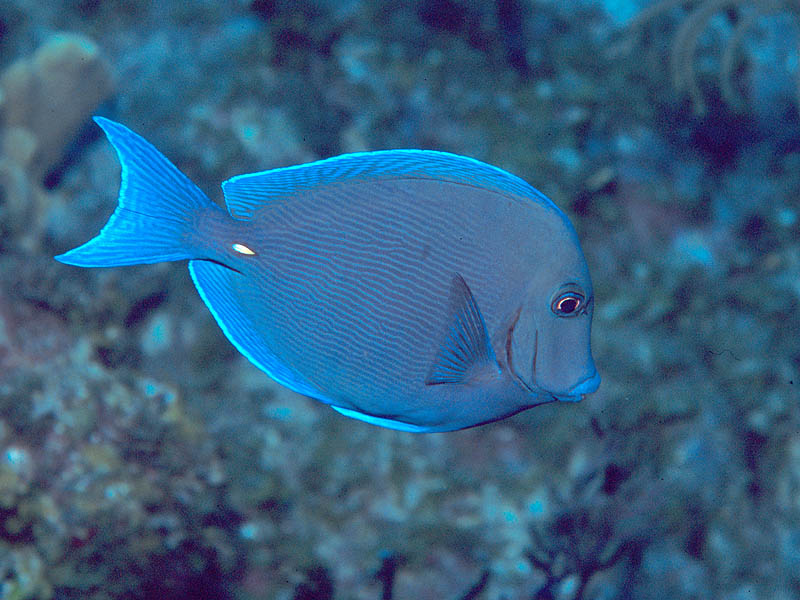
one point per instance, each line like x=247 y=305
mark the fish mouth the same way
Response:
x=583 y=388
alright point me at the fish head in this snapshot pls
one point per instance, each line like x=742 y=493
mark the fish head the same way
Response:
x=548 y=346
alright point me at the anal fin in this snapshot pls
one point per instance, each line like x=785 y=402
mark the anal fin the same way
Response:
x=466 y=355
x=381 y=421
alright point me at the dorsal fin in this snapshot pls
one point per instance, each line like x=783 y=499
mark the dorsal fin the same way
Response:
x=466 y=354
x=245 y=193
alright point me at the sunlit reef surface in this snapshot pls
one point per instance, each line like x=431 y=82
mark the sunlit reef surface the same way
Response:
x=142 y=457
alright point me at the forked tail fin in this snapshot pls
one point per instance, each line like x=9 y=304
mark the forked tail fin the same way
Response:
x=156 y=210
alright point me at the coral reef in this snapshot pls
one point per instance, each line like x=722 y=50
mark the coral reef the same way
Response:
x=50 y=95
x=745 y=16
x=141 y=457
x=45 y=99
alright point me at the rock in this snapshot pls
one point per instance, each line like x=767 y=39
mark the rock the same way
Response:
x=52 y=93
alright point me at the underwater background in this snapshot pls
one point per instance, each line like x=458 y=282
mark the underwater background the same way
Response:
x=142 y=457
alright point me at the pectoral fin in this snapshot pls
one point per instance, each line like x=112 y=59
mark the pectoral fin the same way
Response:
x=466 y=355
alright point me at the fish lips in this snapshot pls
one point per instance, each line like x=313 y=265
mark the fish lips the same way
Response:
x=581 y=389
x=576 y=393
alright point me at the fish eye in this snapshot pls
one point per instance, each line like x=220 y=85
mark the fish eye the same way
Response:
x=568 y=304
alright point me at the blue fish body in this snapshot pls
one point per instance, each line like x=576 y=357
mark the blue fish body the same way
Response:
x=416 y=290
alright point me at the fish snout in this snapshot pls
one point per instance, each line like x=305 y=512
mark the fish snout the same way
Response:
x=586 y=386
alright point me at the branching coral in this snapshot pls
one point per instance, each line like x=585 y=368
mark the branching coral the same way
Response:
x=589 y=534
x=685 y=43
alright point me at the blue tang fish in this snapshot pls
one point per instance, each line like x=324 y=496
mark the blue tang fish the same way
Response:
x=412 y=289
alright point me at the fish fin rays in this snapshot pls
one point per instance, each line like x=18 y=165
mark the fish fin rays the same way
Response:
x=155 y=209
x=246 y=193
x=216 y=284
x=466 y=356
x=381 y=421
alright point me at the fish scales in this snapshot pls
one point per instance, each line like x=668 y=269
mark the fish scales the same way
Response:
x=415 y=290
x=355 y=292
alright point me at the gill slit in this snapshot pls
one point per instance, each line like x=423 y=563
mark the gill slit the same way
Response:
x=509 y=352
x=509 y=335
